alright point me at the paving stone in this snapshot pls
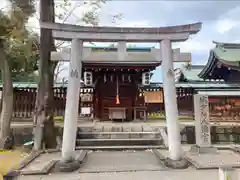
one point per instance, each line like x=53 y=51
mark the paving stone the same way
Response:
x=164 y=152
x=147 y=128
x=126 y=136
x=117 y=129
x=121 y=161
x=136 y=128
x=222 y=158
x=98 y=130
x=40 y=162
x=108 y=162
x=135 y=175
x=135 y=135
x=158 y=134
x=107 y=129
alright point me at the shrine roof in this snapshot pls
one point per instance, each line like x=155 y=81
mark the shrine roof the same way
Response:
x=223 y=55
x=189 y=73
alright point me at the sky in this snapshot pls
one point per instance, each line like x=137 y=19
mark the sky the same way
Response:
x=220 y=21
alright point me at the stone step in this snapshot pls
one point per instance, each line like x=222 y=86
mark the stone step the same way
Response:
x=164 y=136
x=117 y=135
x=95 y=148
x=118 y=142
x=131 y=132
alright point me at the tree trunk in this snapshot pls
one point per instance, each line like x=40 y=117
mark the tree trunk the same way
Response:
x=1 y=100
x=44 y=131
x=7 y=97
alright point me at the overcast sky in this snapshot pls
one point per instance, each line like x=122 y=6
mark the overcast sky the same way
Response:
x=220 y=21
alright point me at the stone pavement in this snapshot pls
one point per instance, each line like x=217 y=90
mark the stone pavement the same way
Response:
x=135 y=175
x=113 y=161
x=221 y=158
x=139 y=165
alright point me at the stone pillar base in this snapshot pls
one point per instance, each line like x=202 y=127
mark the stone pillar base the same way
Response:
x=176 y=164
x=202 y=150
x=67 y=166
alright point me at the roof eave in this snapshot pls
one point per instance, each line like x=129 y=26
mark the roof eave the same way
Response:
x=204 y=73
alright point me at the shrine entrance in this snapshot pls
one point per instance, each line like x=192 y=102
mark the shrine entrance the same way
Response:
x=116 y=91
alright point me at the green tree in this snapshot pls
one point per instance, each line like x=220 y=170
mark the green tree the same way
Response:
x=23 y=58
x=13 y=36
x=23 y=52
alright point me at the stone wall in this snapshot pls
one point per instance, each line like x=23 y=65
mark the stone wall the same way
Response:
x=218 y=135
x=25 y=134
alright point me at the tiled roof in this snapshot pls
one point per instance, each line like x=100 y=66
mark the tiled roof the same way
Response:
x=227 y=54
x=191 y=73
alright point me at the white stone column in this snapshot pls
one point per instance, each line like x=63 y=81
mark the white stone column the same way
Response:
x=226 y=173
x=170 y=101
x=72 y=101
x=122 y=49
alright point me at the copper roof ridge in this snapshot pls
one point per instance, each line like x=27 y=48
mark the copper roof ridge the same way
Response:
x=223 y=44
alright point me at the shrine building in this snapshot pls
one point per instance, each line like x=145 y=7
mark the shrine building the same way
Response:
x=114 y=86
x=218 y=79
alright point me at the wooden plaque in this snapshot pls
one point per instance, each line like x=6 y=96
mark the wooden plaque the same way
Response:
x=153 y=96
x=86 y=97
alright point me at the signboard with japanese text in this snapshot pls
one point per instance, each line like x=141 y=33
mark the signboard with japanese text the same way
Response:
x=153 y=96
x=202 y=125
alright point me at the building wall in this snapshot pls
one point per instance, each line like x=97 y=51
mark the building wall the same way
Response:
x=233 y=76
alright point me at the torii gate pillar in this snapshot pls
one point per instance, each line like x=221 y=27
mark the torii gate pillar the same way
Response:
x=72 y=100
x=170 y=101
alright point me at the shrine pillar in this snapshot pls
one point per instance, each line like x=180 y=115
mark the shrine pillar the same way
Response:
x=170 y=101
x=122 y=49
x=72 y=101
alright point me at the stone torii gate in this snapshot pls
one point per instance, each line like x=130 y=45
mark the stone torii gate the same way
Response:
x=163 y=35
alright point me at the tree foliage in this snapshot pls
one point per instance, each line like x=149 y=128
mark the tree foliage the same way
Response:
x=16 y=55
x=26 y=6
x=22 y=58
x=22 y=46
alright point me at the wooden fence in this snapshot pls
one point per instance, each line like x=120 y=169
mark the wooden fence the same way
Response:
x=25 y=98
